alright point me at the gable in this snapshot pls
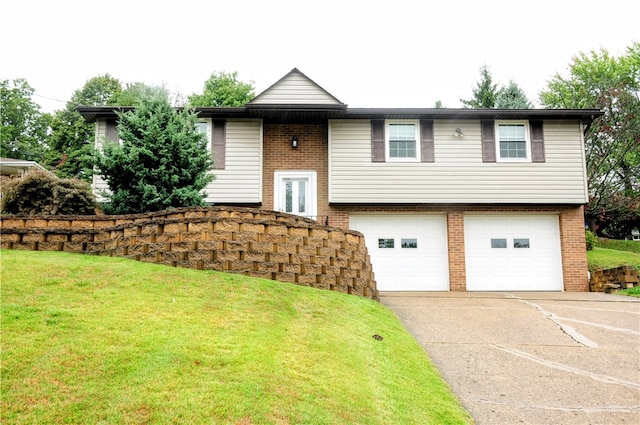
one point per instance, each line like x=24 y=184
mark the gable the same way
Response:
x=295 y=88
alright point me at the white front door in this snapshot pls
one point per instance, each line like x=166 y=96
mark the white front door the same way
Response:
x=295 y=192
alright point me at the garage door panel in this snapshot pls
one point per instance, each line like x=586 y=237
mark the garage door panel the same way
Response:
x=536 y=265
x=422 y=265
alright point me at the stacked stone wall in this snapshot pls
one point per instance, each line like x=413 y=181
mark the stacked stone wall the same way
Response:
x=252 y=242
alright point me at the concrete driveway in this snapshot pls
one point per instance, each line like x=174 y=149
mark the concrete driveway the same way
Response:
x=534 y=357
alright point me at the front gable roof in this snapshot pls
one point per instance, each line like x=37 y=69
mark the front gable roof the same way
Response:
x=297 y=89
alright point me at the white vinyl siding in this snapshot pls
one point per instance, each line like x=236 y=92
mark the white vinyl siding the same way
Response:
x=240 y=181
x=458 y=174
x=295 y=89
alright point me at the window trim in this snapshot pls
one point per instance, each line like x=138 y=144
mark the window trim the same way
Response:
x=527 y=140
x=312 y=200
x=387 y=142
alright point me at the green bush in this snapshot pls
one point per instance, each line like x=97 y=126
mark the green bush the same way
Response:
x=591 y=239
x=42 y=193
x=620 y=245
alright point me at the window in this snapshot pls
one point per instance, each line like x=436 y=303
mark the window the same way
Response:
x=204 y=127
x=521 y=243
x=402 y=137
x=498 y=243
x=512 y=141
x=386 y=243
x=409 y=243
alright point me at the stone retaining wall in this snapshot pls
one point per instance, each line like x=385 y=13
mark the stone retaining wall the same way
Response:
x=246 y=241
x=606 y=280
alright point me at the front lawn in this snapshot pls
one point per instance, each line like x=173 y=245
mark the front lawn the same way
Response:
x=604 y=258
x=97 y=340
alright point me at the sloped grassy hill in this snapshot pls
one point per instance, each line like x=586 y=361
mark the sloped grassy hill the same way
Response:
x=103 y=340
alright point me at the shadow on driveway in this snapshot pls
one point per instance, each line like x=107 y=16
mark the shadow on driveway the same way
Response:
x=532 y=357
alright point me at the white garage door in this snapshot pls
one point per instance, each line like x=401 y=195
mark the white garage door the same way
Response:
x=513 y=253
x=408 y=253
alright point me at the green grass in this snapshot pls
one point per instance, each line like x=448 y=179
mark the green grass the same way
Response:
x=620 y=245
x=97 y=340
x=604 y=258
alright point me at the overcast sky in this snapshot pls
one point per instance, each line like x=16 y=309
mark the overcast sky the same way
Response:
x=368 y=53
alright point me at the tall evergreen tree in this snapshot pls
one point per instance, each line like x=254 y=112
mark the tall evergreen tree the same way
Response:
x=163 y=160
x=485 y=93
x=512 y=97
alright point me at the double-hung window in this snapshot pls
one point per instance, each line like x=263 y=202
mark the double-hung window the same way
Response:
x=512 y=141
x=204 y=127
x=402 y=141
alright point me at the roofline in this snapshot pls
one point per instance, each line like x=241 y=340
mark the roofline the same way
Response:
x=322 y=111
x=295 y=70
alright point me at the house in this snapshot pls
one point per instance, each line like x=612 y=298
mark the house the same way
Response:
x=448 y=199
x=11 y=167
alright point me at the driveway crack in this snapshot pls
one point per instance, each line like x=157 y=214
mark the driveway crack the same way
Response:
x=568 y=330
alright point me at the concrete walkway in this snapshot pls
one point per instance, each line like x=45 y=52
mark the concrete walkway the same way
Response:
x=534 y=357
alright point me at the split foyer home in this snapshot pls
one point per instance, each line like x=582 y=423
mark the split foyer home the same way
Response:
x=447 y=199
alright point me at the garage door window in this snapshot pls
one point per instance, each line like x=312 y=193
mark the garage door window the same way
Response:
x=386 y=243
x=521 y=243
x=498 y=243
x=409 y=243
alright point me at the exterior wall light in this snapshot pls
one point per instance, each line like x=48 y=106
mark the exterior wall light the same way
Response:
x=294 y=142
x=458 y=132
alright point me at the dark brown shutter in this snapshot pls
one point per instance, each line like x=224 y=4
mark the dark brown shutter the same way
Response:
x=377 y=141
x=426 y=140
x=219 y=144
x=487 y=134
x=112 y=130
x=537 y=141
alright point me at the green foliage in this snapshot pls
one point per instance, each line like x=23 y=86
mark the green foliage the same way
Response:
x=612 y=142
x=485 y=93
x=512 y=97
x=135 y=93
x=72 y=138
x=223 y=89
x=604 y=258
x=162 y=162
x=620 y=245
x=42 y=193
x=591 y=239
x=23 y=131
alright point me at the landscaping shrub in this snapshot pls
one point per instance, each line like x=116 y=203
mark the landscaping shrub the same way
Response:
x=620 y=245
x=591 y=239
x=42 y=193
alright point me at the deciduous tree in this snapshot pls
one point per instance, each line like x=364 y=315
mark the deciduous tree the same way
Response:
x=612 y=142
x=72 y=138
x=23 y=134
x=223 y=89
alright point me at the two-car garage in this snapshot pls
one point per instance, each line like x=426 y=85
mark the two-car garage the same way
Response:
x=501 y=252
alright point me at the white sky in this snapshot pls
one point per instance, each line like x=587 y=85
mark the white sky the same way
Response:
x=401 y=53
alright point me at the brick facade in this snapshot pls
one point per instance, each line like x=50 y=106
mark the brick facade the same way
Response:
x=312 y=154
